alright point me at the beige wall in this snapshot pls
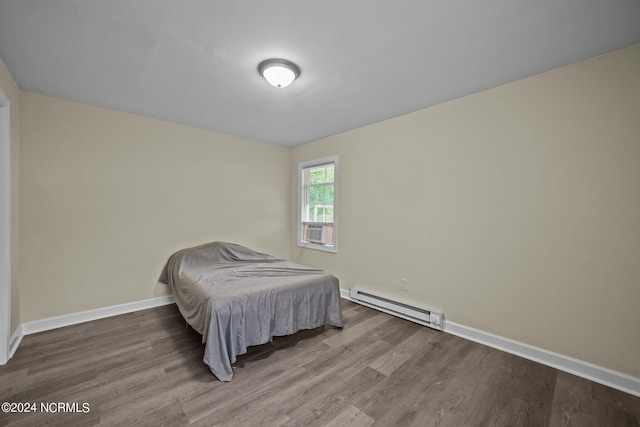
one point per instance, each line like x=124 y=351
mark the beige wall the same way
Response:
x=10 y=89
x=515 y=211
x=107 y=196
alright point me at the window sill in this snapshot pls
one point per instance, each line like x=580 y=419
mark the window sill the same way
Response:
x=318 y=247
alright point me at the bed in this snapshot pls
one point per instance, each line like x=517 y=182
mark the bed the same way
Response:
x=236 y=298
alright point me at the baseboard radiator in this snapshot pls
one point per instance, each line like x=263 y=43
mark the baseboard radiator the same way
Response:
x=415 y=314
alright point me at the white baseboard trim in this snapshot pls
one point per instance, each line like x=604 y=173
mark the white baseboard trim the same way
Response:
x=89 y=315
x=583 y=369
x=15 y=341
x=599 y=374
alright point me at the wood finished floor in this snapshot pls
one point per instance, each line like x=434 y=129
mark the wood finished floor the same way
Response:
x=145 y=368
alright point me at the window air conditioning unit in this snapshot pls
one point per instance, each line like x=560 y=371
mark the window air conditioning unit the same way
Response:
x=316 y=233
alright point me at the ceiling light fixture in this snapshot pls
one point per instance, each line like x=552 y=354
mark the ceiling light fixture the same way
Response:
x=278 y=72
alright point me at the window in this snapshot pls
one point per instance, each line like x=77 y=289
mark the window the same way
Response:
x=317 y=204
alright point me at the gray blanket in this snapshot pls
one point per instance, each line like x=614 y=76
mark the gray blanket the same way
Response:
x=236 y=297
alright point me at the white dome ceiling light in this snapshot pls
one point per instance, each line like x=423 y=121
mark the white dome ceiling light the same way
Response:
x=278 y=72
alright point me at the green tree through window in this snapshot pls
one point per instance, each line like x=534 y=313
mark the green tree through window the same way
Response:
x=319 y=193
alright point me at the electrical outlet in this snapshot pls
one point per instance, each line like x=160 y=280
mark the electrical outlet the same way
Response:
x=403 y=284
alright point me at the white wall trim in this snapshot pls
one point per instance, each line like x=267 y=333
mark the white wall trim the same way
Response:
x=568 y=364
x=599 y=374
x=15 y=341
x=89 y=315
x=5 y=227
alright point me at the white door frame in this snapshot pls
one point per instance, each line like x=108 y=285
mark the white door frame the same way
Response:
x=5 y=228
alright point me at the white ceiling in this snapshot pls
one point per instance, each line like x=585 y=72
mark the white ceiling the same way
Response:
x=195 y=61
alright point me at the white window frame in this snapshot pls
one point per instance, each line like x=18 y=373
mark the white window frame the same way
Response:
x=301 y=201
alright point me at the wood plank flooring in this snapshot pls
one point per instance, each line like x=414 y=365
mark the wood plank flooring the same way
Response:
x=145 y=368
